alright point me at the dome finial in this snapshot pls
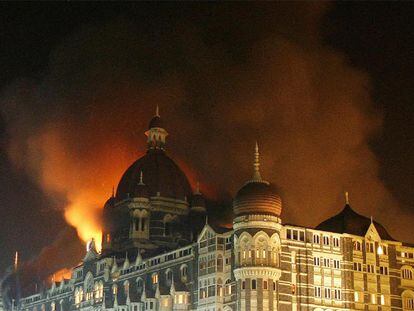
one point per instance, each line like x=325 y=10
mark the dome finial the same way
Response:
x=256 y=164
x=198 y=188
x=157 y=111
x=346 y=198
x=141 y=176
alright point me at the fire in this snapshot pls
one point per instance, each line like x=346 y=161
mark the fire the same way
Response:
x=85 y=180
x=60 y=275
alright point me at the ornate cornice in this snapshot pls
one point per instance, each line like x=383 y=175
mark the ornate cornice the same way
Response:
x=257 y=272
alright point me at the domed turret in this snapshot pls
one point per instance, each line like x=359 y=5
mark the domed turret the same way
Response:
x=162 y=175
x=156 y=133
x=257 y=196
x=349 y=221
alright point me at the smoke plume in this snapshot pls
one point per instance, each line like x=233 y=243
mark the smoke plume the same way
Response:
x=222 y=81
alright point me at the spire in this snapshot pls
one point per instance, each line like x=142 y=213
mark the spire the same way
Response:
x=113 y=191
x=346 y=198
x=197 y=188
x=141 y=182
x=256 y=164
x=16 y=260
x=157 y=111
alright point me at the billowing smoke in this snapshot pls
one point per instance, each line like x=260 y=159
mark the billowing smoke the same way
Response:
x=222 y=81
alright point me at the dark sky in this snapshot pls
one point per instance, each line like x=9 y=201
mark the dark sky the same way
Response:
x=74 y=69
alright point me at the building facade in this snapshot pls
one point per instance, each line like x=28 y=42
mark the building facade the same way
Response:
x=159 y=252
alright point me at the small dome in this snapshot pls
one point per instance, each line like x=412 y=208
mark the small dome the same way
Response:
x=155 y=122
x=349 y=221
x=257 y=197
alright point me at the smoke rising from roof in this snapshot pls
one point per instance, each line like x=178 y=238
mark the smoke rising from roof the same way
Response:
x=222 y=80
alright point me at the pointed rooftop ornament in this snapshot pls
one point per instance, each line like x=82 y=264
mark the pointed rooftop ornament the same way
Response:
x=197 y=188
x=113 y=191
x=372 y=221
x=346 y=198
x=206 y=219
x=157 y=111
x=16 y=260
x=141 y=178
x=256 y=164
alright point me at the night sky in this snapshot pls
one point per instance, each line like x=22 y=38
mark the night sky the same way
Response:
x=326 y=89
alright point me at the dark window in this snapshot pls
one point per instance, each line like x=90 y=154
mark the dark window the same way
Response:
x=136 y=224
x=167 y=228
x=143 y=224
x=253 y=284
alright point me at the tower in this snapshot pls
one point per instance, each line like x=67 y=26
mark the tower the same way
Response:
x=257 y=208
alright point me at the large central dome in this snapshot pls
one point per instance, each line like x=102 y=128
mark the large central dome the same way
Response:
x=160 y=173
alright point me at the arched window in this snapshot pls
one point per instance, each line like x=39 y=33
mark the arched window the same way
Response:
x=227 y=287
x=140 y=286
x=96 y=290
x=154 y=278
x=219 y=288
x=169 y=276
x=220 y=263
x=126 y=288
x=114 y=289
x=89 y=286
x=184 y=273
x=254 y=284
x=407 y=273
x=408 y=300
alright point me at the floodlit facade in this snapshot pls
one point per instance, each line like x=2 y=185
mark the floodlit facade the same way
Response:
x=160 y=253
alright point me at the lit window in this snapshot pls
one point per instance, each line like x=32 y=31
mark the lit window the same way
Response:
x=356 y=296
x=382 y=300
x=408 y=303
x=154 y=278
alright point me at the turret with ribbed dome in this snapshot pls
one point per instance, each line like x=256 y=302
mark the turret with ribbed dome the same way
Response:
x=152 y=200
x=257 y=195
x=257 y=226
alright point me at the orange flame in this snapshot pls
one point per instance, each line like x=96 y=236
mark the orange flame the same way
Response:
x=60 y=275
x=86 y=183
